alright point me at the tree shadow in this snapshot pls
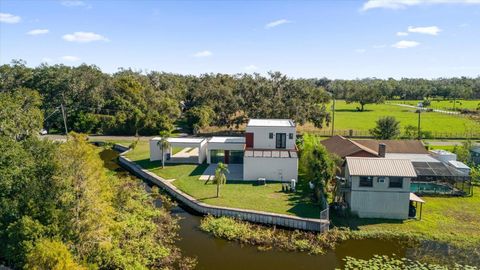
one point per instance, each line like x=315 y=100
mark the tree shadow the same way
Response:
x=352 y=110
x=147 y=164
x=198 y=170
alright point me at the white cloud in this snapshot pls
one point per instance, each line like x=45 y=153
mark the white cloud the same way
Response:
x=36 y=32
x=84 y=37
x=360 y=50
x=251 y=68
x=428 y=30
x=203 y=54
x=401 y=34
x=404 y=44
x=9 y=18
x=73 y=3
x=70 y=58
x=276 y=23
x=399 y=4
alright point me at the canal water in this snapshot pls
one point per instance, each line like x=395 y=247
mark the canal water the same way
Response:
x=214 y=253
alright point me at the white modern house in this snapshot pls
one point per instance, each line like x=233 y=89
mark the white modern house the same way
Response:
x=267 y=151
x=379 y=187
x=270 y=150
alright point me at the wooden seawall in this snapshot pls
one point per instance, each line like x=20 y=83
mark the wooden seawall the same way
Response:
x=267 y=218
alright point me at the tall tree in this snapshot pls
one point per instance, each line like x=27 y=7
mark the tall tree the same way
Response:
x=317 y=166
x=20 y=114
x=386 y=128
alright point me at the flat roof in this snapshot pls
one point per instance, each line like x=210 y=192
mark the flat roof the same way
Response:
x=181 y=140
x=360 y=166
x=237 y=140
x=412 y=157
x=270 y=123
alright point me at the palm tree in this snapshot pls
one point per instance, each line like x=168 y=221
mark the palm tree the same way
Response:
x=220 y=177
x=163 y=143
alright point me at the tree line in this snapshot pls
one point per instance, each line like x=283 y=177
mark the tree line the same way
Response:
x=131 y=102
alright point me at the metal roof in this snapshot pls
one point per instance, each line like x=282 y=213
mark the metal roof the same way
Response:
x=412 y=157
x=415 y=198
x=238 y=140
x=270 y=123
x=380 y=167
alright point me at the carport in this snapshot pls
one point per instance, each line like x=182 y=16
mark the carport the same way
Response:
x=194 y=150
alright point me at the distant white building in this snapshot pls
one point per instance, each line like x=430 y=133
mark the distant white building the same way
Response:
x=268 y=150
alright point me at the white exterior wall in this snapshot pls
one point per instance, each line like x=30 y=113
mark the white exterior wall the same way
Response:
x=279 y=169
x=202 y=152
x=261 y=139
x=379 y=201
x=223 y=146
x=155 y=152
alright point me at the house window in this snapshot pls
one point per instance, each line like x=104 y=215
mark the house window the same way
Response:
x=290 y=136
x=366 y=181
x=270 y=135
x=281 y=140
x=395 y=182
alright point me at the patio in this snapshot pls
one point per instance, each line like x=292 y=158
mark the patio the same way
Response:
x=236 y=172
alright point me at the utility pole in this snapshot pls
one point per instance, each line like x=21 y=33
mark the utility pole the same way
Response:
x=419 y=130
x=333 y=117
x=64 y=120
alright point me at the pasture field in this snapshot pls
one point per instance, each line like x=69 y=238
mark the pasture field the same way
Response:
x=444 y=104
x=348 y=117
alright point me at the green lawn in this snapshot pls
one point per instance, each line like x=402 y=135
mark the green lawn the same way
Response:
x=450 y=219
x=445 y=104
x=348 y=117
x=238 y=194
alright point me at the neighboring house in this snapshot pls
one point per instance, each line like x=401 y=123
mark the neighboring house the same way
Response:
x=378 y=187
x=429 y=166
x=268 y=150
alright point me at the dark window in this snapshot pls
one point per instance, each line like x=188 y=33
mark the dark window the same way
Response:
x=395 y=182
x=366 y=181
x=290 y=136
x=270 y=135
x=281 y=140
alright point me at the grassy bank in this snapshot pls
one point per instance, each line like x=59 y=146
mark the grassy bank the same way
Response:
x=267 y=238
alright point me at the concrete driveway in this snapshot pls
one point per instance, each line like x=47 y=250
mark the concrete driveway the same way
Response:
x=236 y=172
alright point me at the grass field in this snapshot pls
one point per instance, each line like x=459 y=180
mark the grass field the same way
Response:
x=347 y=117
x=238 y=194
x=445 y=104
x=450 y=219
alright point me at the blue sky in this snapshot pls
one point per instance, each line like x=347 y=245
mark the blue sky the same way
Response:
x=335 y=39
